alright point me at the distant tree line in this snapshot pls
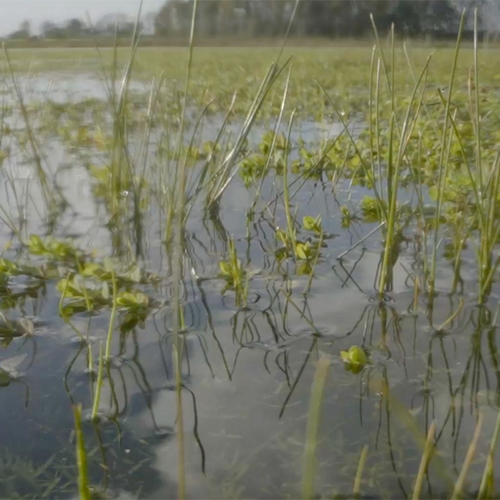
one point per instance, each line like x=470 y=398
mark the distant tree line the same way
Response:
x=270 y=18
x=323 y=18
x=107 y=25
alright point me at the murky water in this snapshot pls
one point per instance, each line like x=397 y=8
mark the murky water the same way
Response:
x=247 y=372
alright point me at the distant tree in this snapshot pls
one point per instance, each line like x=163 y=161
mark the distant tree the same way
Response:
x=18 y=35
x=26 y=27
x=52 y=31
x=74 y=28
x=426 y=17
x=174 y=18
x=108 y=23
x=46 y=27
x=442 y=18
x=381 y=11
x=408 y=15
x=208 y=16
x=127 y=28
x=491 y=18
x=23 y=32
x=314 y=17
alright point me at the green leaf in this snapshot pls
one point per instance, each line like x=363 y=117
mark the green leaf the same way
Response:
x=313 y=224
x=433 y=192
x=302 y=251
x=36 y=246
x=132 y=300
x=357 y=355
x=225 y=268
x=309 y=223
x=303 y=268
x=8 y=267
x=92 y=270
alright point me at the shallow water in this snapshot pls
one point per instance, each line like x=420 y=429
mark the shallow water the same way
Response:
x=247 y=372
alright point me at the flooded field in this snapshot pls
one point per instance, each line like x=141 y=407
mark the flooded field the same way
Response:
x=251 y=281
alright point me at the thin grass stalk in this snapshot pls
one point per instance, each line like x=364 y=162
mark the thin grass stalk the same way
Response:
x=177 y=276
x=313 y=422
x=287 y=33
x=412 y=71
x=192 y=183
x=364 y=166
x=81 y=456
x=392 y=190
x=290 y=221
x=442 y=158
x=370 y=104
x=227 y=168
x=275 y=136
x=411 y=425
x=384 y=65
x=121 y=134
x=416 y=293
x=208 y=175
x=41 y=174
x=393 y=174
x=393 y=70
x=314 y=263
x=359 y=473
x=61 y=308
x=490 y=234
x=457 y=491
x=114 y=307
x=429 y=446
x=486 y=490
x=377 y=127
x=479 y=168
x=97 y=395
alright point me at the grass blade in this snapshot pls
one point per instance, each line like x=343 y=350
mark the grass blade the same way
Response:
x=81 y=456
x=313 y=421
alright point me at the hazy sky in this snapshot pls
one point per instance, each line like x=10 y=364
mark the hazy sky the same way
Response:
x=13 y=12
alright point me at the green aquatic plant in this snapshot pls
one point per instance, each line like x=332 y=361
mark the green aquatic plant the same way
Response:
x=79 y=294
x=253 y=168
x=314 y=162
x=62 y=251
x=313 y=224
x=130 y=274
x=355 y=359
x=235 y=275
x=305 y=251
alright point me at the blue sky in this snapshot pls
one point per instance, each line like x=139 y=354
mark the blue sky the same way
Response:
x=13 y=12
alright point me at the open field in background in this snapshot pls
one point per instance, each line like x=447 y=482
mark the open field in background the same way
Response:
x=218 y=73
x=260 y=277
